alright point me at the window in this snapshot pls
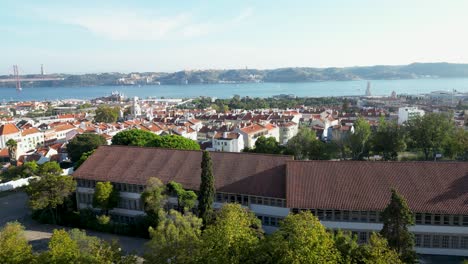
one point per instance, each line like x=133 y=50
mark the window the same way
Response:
x=245 y=200
x=362 y=237
x=436 y=241
x=455 y=242
x=354 y=216
x=417 y=240
x=273 y=221
x=328 y=215
x=427 y=219
x=364 y=217
x=295 y=210
x=427 y=241
x=465 y=220
x=418 y=218
x=456 y=220
x=464 y=242
x=345 y=215
x=445 y=241
x=320 y=213
x=219 y=197
x=437 y=220
x=372 y=216
x=446 y=219
x=337 y=215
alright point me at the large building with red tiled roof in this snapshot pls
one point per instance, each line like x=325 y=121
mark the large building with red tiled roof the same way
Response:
x=345 y=195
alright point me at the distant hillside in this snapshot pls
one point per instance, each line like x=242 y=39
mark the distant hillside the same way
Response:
x=303 y=74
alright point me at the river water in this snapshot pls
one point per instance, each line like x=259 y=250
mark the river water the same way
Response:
x=311 y=89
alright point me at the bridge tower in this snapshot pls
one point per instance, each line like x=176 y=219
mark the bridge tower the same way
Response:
x=17 y=78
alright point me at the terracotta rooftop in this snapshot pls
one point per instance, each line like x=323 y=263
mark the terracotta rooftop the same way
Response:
x=432 y=187
x=253 y=129
x=246 y=173
x=30 y=131
x=7 y=129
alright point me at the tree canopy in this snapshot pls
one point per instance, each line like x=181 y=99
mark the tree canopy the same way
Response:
x=50 y=191
x=107 y=114
x=388 y=140
x=133 y=137
x=105 y=197
x=84 y=143
x=173 y=142
x=14 y=247
x=267 y=145
x=358 y=140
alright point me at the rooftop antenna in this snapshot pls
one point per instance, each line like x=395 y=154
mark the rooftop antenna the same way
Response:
x=17 y=78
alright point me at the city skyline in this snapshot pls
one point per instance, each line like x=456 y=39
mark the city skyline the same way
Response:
x=144 y=36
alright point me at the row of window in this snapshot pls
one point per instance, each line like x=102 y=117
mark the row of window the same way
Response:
x=269 y=220
x=249 y=199
x=441 y=241
x=86 y=198
x=130 y=204
x=124 y=203
x=375 y=217
x=121 y=187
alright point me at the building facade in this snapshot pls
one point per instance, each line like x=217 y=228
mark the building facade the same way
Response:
x=342 y=194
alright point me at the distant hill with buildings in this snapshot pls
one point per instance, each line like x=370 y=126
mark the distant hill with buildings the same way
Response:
x=297 y=74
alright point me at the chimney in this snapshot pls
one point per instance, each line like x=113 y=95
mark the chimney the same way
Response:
x=225 y=134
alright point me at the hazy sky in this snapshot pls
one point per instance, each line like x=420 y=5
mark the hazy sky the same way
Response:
x=98 y=36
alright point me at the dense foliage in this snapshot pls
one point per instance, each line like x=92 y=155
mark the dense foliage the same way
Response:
x=107 y=114
x=141 y=138
x=105 y=197
x=84 y=143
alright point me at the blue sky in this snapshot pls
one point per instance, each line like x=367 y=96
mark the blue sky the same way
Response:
x=100 y=36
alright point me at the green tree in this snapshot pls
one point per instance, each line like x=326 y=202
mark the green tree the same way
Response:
x=305 y=145
x=48 y=192
x=234 y=237
x=301 y=238
x=50 y=168
x=105 y=197
x=107 y=114
x=186 y=199
x=153 y=198
x=377 y=251
x=176 y=239
x=347 y=245
x=134 y=137
x=29 y=168
x=397 y=217
x=358 y=140
x=388 y=140
x=207 y=189
x=301 y=144
x=82 y=159
x=456 y=147
x=62 y=248
x=14 y=247
x=12 y=146
x=75 y=246
x=267 y=145
x=84 y=143
x=429 y=133
x=173 y=142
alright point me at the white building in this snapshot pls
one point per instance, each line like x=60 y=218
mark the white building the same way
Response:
x=287 y=131
x=228 y=141
x=9 y=131
x=406 y=113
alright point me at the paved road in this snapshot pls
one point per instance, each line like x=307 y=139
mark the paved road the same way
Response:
x=13 y=207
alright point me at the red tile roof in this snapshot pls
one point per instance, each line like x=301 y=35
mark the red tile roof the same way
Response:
x=246 y=173
x=432 y=187
x=29 y=131
x=7 y=129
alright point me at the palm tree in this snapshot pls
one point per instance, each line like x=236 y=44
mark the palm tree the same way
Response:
x=12 y=147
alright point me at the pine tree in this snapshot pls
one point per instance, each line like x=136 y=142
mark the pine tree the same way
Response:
x=207 y=189
x=396 y=218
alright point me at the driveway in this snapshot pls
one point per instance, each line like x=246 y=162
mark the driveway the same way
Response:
x=14 y=207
